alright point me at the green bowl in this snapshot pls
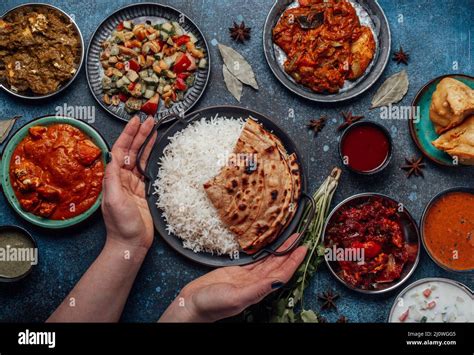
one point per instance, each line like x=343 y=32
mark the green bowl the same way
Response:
x=94 y=135
x=422 y=130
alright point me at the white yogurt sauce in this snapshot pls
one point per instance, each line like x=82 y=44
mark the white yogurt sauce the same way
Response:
x=434 y=301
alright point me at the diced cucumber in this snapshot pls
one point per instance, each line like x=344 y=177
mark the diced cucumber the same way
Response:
x=202 y=63
x=164 y=35
x=106 y=83
x=120 y=83
x=149 y=94
x=168 y=27
x=128 y=25
x=126 y=80
x=178 y=29
x=114 y=50
x=192 y=37
x=132 y=75
x=143 y=74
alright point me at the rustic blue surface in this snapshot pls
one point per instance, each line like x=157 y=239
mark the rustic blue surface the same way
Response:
x=435 y=35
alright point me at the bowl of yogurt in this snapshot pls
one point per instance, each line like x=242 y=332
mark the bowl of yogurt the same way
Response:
x=433 y=300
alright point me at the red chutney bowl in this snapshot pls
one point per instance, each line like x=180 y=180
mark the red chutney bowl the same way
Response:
x=366 y=148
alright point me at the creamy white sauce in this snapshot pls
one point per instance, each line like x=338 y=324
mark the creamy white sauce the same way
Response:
x=447 y=303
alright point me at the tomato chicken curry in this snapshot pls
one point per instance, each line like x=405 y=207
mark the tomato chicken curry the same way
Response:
x=325 y=44
x=56 y=172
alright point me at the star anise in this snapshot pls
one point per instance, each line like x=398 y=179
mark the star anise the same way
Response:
x=342 y=319
x=401 y=56
x=414 y=167
x=317 y=125
x=349 y=119
x=328 y=298
x=240 y=33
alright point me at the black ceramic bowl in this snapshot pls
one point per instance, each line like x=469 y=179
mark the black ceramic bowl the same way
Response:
x=423 y=221
x=17 y=229
x=410 y=232
x=381 y=129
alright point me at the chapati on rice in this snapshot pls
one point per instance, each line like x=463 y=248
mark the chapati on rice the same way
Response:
x=195 y=155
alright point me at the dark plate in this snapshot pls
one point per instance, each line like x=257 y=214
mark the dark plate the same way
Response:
x=410 y=231
x=428 y=207
x=140 y=13
x=29 y=95
x=152 y=171
x=422 y=129
x=381 y=31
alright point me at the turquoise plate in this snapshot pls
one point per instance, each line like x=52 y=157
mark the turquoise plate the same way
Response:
x=422 y=130
x=5 y=167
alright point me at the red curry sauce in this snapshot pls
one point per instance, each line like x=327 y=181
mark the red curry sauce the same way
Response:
x=56 y=172
x=325 y=44
x=449 y=230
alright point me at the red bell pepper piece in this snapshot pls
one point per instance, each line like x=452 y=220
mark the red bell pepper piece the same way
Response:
x=131 y=86
x=182 y=64
x=184 y=75
x=122 y=97
x=120 y=26
x=133 y=65
x=180 y=84
x=181 y=40
x=151 y=106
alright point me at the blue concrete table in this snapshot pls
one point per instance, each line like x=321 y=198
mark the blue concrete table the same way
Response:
x=436 y=36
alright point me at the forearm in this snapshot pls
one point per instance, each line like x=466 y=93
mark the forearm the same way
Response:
x=101 y=293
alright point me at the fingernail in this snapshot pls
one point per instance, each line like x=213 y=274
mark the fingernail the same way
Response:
x=108 y=157
x=277 y=284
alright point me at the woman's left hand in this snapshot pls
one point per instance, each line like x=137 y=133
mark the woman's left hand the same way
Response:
x=125 y=209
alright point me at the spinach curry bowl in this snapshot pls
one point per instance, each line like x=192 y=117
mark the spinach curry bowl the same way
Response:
x=52 y=171
x=41 y=51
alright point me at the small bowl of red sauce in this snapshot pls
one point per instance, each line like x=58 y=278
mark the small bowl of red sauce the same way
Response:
x=366 y=148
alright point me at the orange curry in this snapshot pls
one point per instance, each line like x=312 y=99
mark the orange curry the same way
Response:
x=56 y=172
x=449 y=230
x=325 y=44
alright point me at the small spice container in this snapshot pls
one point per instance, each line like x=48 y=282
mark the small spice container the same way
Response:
x=366 y=148
x=18 y=253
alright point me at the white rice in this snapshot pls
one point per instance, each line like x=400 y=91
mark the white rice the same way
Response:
x=195 y=155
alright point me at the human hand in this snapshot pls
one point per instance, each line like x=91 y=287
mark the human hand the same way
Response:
x=226 y=292
x=125 y=209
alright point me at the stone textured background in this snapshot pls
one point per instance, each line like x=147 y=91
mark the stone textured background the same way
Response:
x=435 y=35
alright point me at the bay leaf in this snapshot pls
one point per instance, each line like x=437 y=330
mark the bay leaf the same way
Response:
x=233 y=84
x=392 y=91
x=5 y=127
x=238 y=66
x=308 y=316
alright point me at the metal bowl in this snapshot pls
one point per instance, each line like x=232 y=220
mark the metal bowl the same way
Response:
x=423 y=220
x=457 y=284
x=29 y=95
x=28 y=235
x=375 y=18
x=410 y=231
x=381 y=128
x=143 y=12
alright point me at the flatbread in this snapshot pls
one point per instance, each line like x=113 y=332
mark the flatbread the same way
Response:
x=256 y=195
x=452 y=102
x=459 y=142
